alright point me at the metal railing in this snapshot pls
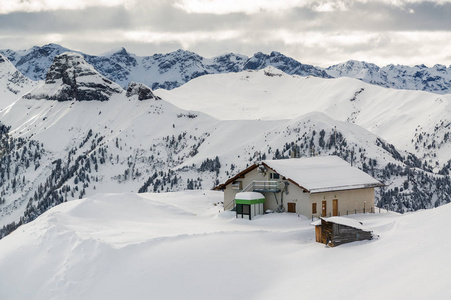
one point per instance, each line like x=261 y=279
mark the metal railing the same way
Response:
x=371 y=210
x=230 y=205
x=269 y=185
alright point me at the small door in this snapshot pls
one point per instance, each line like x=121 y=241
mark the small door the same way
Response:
x=318 y=236
x=291 y=207
x=324 y=212
x=335 y=208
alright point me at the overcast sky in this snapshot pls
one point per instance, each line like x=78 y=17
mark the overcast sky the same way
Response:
x=319 y=32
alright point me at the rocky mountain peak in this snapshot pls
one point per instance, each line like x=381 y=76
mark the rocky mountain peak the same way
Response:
x=14 y=83
x=273 y=72
x=356 y=69
x=422 y=66
x=283 y=63
x=121 y=51
x=70 y=77
x=141 y=90
x=45 y=51
x=123 y=58
x=8 y=70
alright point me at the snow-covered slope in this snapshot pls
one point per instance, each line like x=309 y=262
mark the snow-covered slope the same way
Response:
x=181 y=245
x=56 y=151
x=436 y=79
x=13 y=84
x=415 y=121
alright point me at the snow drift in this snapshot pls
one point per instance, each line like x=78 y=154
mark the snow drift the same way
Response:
x=180 y=245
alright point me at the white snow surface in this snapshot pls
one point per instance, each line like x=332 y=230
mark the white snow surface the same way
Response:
x=249 y=196
x=13 y=84
x=342 y=221
x=322 y=173
x=398 y=116
x=183 y=246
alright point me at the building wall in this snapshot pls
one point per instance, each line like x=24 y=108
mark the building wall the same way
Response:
x=229 y=193
x=348 y=201
x=295 y=194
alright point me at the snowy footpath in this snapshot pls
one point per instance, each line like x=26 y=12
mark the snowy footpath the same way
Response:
x=183 y=246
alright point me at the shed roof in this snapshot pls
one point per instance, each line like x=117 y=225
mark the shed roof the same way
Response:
x=342 y=221
x=322 y=173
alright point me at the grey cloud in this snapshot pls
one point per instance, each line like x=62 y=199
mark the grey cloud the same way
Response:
x=427 y=16
x=163 y=17
x=167 y=18
x=62 y=21
x=373 y=16
x=256 y=32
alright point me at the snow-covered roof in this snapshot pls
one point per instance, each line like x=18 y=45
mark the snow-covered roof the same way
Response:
x=322 y=173
x=342 y=221
x=249 y=196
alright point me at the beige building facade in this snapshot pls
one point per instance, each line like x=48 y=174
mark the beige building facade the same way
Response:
x=331 y=187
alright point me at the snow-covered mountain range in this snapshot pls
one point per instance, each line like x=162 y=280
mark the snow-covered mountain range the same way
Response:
x=168 y=71
x=56 y=146
x=165 y=71
x=415 y=121
x=436 y=79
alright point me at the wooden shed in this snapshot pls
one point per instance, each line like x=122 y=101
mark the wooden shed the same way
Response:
x=335 y=231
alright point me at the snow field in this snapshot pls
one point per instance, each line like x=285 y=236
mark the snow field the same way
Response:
x=183 y=246
x=395 y=115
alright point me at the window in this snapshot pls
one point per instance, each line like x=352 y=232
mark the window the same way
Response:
x=275 y=176
x=313 y=208
x=236 y=185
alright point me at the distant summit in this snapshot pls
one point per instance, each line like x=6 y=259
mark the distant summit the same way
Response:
x=436 y=79
x=15 y=84
x=286 y=64
x=142 y=91
x=34 y=62
x=70 y=77
x=159 y=71
x=171 y=70
x=15 y=79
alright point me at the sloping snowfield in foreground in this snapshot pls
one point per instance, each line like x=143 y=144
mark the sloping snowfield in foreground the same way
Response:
x=182 y=246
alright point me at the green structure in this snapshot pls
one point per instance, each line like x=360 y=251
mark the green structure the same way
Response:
x=249 y=204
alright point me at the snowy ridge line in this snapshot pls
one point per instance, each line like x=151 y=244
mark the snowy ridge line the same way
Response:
x=171 y=70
